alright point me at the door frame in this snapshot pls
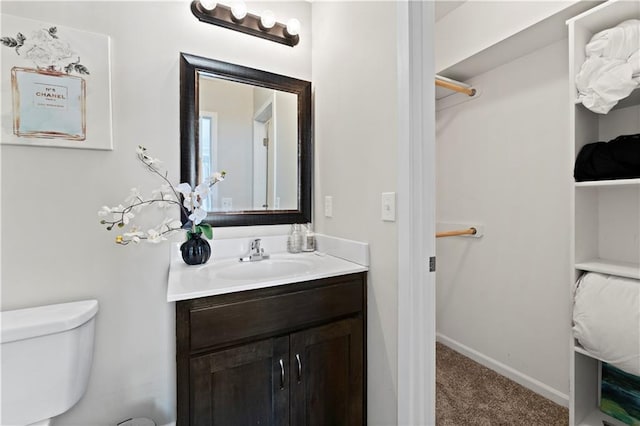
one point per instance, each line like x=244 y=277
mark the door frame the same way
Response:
x=416 y=212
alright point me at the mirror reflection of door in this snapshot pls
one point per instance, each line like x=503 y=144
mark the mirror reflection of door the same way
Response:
x=270 y=142
x=264 y=146
x=209 y=153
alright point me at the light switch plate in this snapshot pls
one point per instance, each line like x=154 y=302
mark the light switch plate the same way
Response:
x=328 y=206
x=388 y=213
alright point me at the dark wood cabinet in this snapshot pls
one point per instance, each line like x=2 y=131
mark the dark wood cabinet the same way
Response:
x=286 y=355
x=328 y=387
x=241 y=386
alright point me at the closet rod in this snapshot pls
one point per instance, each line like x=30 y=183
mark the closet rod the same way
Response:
x=456 y=86
x=470 y=231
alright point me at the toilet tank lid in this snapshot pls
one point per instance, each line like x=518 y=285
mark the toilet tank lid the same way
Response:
x=26 y=323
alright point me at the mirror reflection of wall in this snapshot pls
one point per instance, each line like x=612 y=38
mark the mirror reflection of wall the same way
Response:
x=251 y=133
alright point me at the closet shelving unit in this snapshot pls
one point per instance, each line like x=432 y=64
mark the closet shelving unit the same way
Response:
x=606 y=234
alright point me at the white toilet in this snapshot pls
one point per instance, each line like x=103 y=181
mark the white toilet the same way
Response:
x=46 y=353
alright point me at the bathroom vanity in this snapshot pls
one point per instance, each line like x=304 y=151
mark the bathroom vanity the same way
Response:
x=279 y=350
x=291 y=354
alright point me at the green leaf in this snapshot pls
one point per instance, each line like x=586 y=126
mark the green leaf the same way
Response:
x=206 y=229
x=9 y=41
x=81 y=69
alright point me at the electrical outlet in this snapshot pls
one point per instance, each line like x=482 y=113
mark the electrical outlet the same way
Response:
x=328 y=206
x=227 y=204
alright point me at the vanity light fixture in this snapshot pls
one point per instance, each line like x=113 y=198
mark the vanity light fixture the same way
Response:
x=267 y=20
x=236 y=17
x=293 y=27
x=238 y=11
x=208 y=4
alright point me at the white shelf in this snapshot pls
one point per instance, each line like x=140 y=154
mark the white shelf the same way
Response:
x=606 y=223
x=610 y=267
x=612 y=182
x=529 y=39
x=596 y=418
x=607 y=15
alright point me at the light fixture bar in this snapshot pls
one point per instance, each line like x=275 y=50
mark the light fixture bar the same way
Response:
x=250 y=24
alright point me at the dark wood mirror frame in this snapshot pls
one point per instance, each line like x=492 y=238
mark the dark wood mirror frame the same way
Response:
x=190 y=67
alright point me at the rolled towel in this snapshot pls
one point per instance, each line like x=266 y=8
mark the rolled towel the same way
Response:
x=606 y=319
x=611 y=70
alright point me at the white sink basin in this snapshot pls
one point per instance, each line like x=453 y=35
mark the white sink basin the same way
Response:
x=262 y=269
x=230 y=275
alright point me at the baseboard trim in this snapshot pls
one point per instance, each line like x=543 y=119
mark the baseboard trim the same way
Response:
x=510 y=373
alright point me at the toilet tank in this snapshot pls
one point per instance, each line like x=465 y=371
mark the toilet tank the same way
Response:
x=46 y=358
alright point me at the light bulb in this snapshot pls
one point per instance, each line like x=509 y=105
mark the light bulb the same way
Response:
x=293 y=27
x=268 y=19
x=239 y=10
x=208 y=4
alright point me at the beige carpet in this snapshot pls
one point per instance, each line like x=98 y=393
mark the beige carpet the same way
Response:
x=468 y=393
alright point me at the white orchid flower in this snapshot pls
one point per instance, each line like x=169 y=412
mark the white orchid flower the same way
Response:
x=134 y=196
x=165 y=196
x=162 y=193
x=175 y=224
x=153 y=162
x=171 y=224
x=184 y=188
x=189 y=200
x=202 y=190
x=216 y=177
x=165 y=192
x=127 y=217
x=155 y=237
x=198 y=215
x=120 y=215
x=134 y=235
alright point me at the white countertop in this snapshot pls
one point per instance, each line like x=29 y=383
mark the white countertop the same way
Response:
x=228 y=274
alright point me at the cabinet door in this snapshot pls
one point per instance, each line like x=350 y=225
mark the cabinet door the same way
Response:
x=245 y=385
x=327 y=379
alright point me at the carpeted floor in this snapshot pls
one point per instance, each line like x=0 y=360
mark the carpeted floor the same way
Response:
x=468 y=393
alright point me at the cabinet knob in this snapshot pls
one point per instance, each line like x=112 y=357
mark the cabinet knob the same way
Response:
x=299 y=368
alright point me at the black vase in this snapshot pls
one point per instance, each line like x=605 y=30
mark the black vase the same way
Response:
x=196 y=250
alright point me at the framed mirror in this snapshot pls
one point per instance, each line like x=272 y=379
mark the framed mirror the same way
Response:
x=254 y=125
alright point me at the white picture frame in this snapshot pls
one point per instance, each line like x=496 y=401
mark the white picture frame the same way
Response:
x=55 y=86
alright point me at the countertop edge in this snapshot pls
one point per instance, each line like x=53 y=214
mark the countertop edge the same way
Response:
x=256 y=286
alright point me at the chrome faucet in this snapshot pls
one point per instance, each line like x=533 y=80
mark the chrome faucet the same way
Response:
x=255 y=252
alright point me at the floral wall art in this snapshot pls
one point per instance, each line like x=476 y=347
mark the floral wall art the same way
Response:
x=55 y=85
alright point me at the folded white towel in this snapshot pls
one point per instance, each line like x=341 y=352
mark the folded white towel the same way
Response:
x=606 y=319
x=612 y=68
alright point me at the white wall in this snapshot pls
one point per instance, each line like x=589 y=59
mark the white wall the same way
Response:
x=503 y=161
x=356 y=127
x=54 y=250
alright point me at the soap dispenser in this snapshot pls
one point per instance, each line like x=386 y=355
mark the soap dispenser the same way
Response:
x=294 y=241
x=309 y=240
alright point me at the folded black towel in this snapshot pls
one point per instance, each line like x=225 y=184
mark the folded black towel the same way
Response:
x=617 y=159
